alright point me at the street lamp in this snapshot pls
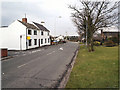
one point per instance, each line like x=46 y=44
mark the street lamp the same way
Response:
x=55 y=24
x=86 y=33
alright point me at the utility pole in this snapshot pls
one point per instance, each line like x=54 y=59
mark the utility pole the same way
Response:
x=66 y=35
x=86 y=32
x=55 y=24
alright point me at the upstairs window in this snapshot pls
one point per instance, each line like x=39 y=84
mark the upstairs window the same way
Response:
x=41 y=32
x=35 y=32
x=48 y=33
x=29 y=32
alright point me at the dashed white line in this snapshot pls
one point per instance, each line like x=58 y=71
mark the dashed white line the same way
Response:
x=21 y=65
x=24 y=64
x=50 y=52
x=24 y=54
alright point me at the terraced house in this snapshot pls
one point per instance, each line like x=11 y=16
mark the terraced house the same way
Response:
x=21 y=35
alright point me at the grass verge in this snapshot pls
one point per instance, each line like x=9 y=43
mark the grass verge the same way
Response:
x=98 y=69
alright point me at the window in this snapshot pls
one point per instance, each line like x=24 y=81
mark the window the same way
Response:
x=30 y=42
x=45 y=40
x=41 y=32
x=35 y=41
x=35 y=32
x=29 y=32
x=41 y=41
x=48 y=40
x=48 y=33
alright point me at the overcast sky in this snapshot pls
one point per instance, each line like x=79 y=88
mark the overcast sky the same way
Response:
x=40 y=10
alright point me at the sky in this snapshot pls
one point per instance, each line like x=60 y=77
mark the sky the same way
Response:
x=48 y=11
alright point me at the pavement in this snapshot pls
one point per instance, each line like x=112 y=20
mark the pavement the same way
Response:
x=37 y=68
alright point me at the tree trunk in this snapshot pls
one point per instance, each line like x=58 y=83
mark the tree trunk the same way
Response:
x=92 y=46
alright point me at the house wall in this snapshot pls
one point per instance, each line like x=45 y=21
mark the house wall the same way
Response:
x=110 y=34
x=38 y=36
x=45 y=36
x=10 y=36
x=3 y=37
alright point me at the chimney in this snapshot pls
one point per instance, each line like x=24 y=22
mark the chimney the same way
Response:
x=24 y=20
x=43 y=23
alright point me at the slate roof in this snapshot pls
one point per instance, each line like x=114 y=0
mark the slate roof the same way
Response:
x=28 y=25
x=41 y=27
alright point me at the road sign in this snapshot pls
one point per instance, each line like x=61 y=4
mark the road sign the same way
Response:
x=28 y=38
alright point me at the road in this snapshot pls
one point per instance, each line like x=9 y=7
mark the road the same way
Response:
x=42 y=69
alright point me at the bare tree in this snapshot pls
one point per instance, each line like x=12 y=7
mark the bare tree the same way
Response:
x=92 y=16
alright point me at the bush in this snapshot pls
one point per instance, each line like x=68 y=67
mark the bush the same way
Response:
x=81 y=43
x=97 y=43
x=114 y=39
x=109 y=43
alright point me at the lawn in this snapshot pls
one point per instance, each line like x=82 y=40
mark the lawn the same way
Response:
x=98 y=69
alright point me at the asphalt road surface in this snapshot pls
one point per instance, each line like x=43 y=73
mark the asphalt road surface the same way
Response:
x=41 y=69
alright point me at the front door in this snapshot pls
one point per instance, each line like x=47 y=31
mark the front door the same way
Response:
x=39 y=42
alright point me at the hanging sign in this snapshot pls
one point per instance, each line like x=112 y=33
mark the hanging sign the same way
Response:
x=28 y=38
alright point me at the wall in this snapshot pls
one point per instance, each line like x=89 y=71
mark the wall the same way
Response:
x=38 y=36
x=10 y=36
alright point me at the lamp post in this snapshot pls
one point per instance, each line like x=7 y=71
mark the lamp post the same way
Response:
x=86 y=34
x=55 y=24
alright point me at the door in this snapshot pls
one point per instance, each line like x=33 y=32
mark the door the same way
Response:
x=39 y=42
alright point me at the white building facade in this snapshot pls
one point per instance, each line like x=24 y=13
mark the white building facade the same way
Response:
x=21 y=35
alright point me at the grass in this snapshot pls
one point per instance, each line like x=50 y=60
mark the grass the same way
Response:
x=98 y=69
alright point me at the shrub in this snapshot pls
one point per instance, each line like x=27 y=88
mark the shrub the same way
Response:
x=81 y=43
x=114 y=39
x=97 y=43
x=109 y=43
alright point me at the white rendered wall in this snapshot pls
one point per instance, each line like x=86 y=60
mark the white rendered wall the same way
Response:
x=45 y=36
x=3 y=37
x=38 y=36
x=11 y=36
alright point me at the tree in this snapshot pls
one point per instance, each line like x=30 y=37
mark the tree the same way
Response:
x=92 y=16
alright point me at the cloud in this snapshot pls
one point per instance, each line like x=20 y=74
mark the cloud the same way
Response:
x=40 y=10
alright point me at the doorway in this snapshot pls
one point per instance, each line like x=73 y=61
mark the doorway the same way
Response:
x=39 y=42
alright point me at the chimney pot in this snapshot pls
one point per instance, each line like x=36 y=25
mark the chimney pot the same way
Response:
x=24 y=20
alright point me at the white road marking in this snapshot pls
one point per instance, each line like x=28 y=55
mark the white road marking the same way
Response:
x=21 y=65
x=24 y=54
x=3 y=73
x=50 y=52
x=61 y=48
x=24 y=64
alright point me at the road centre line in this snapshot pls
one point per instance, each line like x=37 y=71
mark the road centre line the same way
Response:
x=32 y=60
x=24 y=64
x=21 y=65
x=50 y=52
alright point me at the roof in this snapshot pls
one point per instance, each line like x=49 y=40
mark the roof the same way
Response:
x=28 y=25
x=4 y=26
x=41 y=27
x=110 y=29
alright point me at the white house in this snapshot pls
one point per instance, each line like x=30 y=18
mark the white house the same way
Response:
x=59 y=38
x=21 y=35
